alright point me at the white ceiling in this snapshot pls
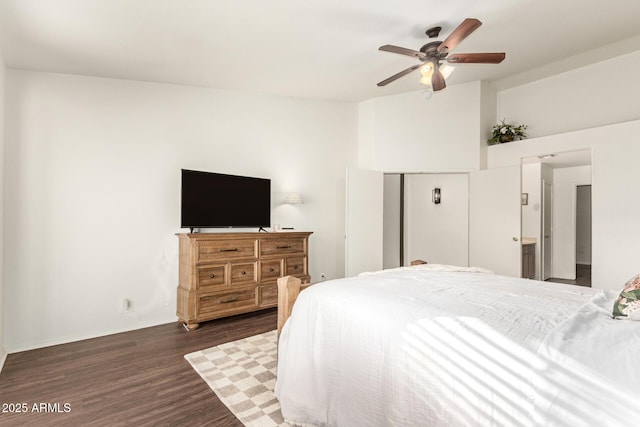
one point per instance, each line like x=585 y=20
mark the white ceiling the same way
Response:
x=320 y=49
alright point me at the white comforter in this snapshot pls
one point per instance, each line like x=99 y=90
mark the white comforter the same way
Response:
x=414 y=346
x=589 y=374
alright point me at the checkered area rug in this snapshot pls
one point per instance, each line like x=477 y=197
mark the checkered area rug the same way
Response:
x=243 y=375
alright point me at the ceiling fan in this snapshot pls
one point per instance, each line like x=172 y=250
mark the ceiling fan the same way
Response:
x=433 y=54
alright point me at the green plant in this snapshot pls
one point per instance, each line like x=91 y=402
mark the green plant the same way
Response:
x=505 y=132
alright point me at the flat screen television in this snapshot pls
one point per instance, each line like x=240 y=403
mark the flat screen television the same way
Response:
x=212 y=200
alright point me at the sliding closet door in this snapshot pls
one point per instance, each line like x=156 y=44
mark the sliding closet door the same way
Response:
x=393 y=225
x=364 y=227
x=494 y=220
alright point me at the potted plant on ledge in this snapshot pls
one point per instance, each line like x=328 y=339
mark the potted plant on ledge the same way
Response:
x=505 y=132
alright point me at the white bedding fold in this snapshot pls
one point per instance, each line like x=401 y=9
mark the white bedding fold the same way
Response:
x=590 y=374
x=432 y=267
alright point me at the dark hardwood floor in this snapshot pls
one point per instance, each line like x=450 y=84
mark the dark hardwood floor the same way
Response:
x=133 y=378
x=583 y=276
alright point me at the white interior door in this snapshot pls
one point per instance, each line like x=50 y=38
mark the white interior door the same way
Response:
x=364 y=226
x=547 y=230
x=494 y=220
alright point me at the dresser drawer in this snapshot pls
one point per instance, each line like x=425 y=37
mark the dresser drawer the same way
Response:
x=226 y=303
x=270 y=270
x=243 y=273
x=214 y=250
x=296 y=266
x=282 y=246
x=211 y=277
x=268 y=296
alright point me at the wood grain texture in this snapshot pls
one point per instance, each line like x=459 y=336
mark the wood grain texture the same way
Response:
x=134 y=378
x=289 y=287
x=288 y=290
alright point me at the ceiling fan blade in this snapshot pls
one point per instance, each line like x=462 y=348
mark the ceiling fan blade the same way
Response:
x=398 y=75
x=402 y=51
x=467 y=27
x=437 y=81
x=476 y=58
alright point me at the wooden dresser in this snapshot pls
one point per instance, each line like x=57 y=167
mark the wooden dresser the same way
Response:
x=223 y=274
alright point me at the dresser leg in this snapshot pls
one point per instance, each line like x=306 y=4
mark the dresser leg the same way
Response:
x=191 y=326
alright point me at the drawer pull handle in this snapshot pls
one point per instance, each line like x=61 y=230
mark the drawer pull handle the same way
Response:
x=228 y=300
x=295 y=267
x=271 y=270
x=244 y=272
x=212 y=276
x=283 y=247
x=229 y=250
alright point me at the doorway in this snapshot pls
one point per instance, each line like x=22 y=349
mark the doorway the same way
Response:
x=554 y=185
x=418 y=227
x=582 y=239
x=583 y=235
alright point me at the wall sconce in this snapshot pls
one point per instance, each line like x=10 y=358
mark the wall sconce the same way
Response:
x=293 y=199
x=435 y=196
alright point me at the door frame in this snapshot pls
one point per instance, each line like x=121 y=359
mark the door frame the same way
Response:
x=544 y=247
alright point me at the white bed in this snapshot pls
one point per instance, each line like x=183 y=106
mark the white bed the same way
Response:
x=447 y=346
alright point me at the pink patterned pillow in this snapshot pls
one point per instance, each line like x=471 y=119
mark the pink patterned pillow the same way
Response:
x=627 y=306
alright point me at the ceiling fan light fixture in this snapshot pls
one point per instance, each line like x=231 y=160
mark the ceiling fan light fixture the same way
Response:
x=426 y=70
x=446 y=70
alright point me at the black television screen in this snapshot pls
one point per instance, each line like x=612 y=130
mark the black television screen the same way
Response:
x=211 y=200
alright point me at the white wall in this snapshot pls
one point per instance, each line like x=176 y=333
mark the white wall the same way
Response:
x=3 y=353
x=437 y=233
x=408 y=133
x=596 y=95
x=614 y=190
x=565 y=182
x=488 y=118
x=92 y=191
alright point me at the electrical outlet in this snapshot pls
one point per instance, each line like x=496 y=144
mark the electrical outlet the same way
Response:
x=125 y=305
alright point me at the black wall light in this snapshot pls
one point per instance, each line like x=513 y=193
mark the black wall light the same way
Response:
x=435 y=196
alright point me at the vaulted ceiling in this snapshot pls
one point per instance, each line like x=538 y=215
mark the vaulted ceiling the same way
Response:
x=319 y=49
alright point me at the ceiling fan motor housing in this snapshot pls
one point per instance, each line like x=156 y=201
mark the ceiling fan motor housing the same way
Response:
x=433 y=32
x=431 y=50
